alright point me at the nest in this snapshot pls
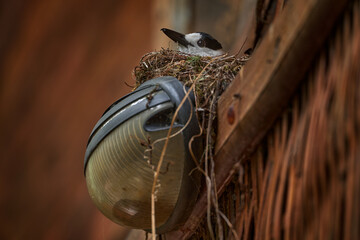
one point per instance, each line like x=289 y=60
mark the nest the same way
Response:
x=219 y=73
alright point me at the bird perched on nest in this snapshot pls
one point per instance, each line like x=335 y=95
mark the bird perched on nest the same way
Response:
x=199 y=43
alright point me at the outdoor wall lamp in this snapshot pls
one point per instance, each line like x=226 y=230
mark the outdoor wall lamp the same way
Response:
x=120 y=158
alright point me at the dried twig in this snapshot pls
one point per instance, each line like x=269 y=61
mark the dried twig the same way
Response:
x=207 y=77
x=156 y=174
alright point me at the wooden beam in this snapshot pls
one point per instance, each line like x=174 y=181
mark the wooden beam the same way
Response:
x=265 y=87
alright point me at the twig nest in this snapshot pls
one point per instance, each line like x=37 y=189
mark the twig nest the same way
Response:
x=186 y=68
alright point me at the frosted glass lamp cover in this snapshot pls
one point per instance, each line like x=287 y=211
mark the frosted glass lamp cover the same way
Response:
x=121 y=157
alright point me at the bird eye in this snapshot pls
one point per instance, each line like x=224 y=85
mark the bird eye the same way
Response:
x=201 y=43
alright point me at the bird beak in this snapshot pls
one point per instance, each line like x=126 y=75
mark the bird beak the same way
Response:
x=176 y=37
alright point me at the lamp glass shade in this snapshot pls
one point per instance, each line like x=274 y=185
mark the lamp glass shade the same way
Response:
x=120 y=171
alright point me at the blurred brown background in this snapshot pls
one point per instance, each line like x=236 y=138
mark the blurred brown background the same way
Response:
x=61 y=64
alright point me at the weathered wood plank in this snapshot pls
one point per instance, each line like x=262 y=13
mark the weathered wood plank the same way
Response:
x=265 y=87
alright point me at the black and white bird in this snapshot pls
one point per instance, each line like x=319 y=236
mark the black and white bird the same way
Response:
x=199 y=43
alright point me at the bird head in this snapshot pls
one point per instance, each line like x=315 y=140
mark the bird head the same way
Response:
x=198 y=43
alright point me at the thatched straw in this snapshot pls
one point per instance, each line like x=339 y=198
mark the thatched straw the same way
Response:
x=303 y=182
